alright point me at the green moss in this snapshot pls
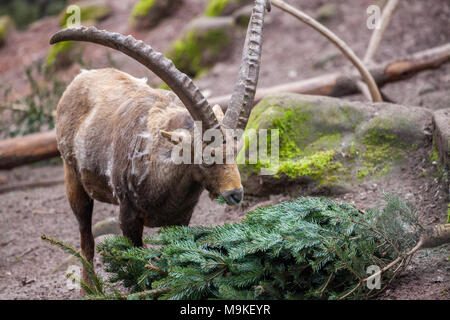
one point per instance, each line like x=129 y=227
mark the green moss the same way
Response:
x=318 y=166
x=189 y=54
x=215 y=7
x=287 y=143
x=448 y=213
x=362 y=173
x=2 y=32
x=377 y=136
x=57 y=50
x=6 y=24
x=88 y=12
x=326 y=142
x=316 y=161
x=141 y=8
x=434 y=156
x=164 y=86
x=380 y=149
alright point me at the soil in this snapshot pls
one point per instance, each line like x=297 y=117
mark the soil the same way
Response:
x=29 y=267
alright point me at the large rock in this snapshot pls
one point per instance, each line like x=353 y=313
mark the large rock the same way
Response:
x=203 y=43
x=328 y=144
x=224 y=7
x=433 y=100
x=148 y=13
x=441 y=135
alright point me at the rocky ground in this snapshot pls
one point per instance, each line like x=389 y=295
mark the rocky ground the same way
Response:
x=28 y=267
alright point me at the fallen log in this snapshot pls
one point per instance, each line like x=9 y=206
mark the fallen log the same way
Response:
x=31 y=148
x=40 y=146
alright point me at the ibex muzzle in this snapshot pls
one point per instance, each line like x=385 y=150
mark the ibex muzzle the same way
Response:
x=116 y=134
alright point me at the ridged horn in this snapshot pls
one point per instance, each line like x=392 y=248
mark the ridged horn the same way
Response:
x=241 y=102
x=180 y=83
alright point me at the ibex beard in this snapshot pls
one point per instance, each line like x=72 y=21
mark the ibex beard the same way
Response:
x=116 y=135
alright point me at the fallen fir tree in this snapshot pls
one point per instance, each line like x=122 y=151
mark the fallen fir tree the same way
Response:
x=310 y=248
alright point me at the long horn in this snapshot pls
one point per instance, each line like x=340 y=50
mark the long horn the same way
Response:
x=241 y=101
x=164 y=68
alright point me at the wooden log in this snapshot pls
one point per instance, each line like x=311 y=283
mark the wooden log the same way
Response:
x=40 y=146
x=31 y=148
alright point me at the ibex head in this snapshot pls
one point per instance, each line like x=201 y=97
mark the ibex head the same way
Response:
x=220 y=178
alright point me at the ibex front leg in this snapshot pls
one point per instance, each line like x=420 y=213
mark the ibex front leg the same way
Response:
x=131 y=224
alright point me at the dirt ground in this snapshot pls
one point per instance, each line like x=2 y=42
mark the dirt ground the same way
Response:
x=28 y=266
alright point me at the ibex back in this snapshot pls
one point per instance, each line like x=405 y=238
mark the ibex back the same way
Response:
x=116 y=136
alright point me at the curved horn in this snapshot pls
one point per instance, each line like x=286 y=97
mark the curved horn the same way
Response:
x=164 y=68
x=241 y=102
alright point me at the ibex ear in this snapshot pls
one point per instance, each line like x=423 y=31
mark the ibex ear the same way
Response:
x=176 y=137
x=218 y=113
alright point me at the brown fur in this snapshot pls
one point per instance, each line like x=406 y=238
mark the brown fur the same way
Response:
x=108 y=132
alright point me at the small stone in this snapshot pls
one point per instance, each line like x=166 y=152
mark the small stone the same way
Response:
x=147 y=14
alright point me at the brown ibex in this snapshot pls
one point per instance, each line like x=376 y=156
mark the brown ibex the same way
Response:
x=116 y=134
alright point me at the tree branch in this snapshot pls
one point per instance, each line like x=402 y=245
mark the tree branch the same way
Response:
x=376 y=38
x=346 y=50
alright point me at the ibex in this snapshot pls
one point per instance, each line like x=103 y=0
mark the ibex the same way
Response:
x=115 y=135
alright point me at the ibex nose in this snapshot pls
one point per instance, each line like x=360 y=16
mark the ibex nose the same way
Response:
x=233 y=196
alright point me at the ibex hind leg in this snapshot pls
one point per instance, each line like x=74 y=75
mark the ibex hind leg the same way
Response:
x=82 y=206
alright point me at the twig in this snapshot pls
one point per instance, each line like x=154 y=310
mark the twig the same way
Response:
x=393 y=263
x=378 y=34
x=376 y=38
x=346 y=50
x=339 y=84
x=150 y=266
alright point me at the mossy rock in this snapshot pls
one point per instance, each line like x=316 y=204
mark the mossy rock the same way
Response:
x=6 y=26
x=403 y=125
x=326 y=143
x=448 y=213
x=216 y=8
x=441 y=136
x=90 y=11
x=148 y=13
x=204 y=42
